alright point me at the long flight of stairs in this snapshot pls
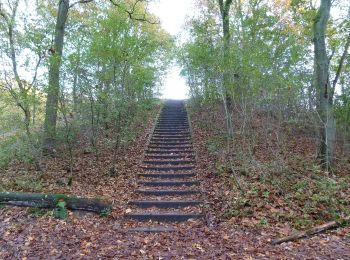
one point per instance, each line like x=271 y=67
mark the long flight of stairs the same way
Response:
x=168 y=190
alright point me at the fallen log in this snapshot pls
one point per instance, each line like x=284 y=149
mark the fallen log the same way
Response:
x=312 y=231
x=51 y=200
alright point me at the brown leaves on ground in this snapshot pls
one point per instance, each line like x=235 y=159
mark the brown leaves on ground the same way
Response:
x=225 y=234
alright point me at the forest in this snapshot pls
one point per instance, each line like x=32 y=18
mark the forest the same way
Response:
x=96 y=163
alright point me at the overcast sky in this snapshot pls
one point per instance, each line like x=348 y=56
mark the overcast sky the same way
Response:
x=172 y=14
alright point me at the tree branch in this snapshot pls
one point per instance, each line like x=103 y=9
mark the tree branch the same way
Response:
x=4 y=15
x=37 y=67
x=81 y=2
x=340 y=65
x=132 y=13
x=221 y=6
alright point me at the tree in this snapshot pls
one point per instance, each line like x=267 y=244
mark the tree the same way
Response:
x=324 y=86
x=227 y=100
x=56 y=58
x=54 y=77
x=22 y=90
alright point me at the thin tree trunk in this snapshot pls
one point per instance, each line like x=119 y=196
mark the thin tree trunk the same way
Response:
x=325 y=108
x=224 y=11
x=226 y=97
x=75 y=81
x=54 y=78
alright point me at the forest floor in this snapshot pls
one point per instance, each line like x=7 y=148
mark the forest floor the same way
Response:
x=225 y=234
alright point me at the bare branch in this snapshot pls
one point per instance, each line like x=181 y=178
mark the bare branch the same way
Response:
x=340 y=65
x=81 y=2
x=132 y=13
x=41 y=55
x=4 y=15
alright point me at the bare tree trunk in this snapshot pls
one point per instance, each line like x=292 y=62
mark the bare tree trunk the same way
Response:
x=226 y=97
x=75 y=81
x=21 y=98
x=325 y=108
x=225 y=19
x=54 y=78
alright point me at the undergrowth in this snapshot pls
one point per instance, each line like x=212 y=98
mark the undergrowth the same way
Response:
x=280 y=176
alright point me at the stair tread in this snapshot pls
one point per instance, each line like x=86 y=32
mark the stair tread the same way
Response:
x=169 y=162
x=167 y=175
x=166 y=201
x=164 y=216
x=169 y=183
x=168 y=192
x=168 y=168
x=151 y=229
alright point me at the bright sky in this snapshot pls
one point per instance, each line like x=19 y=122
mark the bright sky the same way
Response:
x=172 y=14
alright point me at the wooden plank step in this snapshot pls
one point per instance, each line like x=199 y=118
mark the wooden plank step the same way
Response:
x=171 y=128
x=172 y=119
x=165 y=142
x=168 y=183
x=173 y=134
x=167 y=175
x=168 y=169
x=178 y=133
x=166 y=131
x=164 y=203
x=169 y=147
x=168 y=192
x=159 y=135
x=176 y=137
x=170 y=151
x=169 y=121
x=170 y=216
x=154 y=156
x=169 y=142
x=151 y=229
x=173 y=114
x=184 y=125
x=169 y=162
x=171 y=139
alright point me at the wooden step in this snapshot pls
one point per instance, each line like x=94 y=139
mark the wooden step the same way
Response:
x=170 y=147
x=172 y=135
x=169 y=162
x=171 y=122
x=176 y=121
x=168 y=183
x=168 y=216
x=169 y=151
x=171 y=139
x=167 y=175
x=168 y=192
x=171 y=131
x=172 y=126
x=169 y=143
x=168 y=169
x=151 y=229
x=154 y=156
x=164 y=203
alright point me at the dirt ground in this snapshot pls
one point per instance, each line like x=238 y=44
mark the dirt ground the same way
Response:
x=29 y=235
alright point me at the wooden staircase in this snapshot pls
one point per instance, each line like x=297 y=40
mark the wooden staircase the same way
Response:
x=168 y=190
